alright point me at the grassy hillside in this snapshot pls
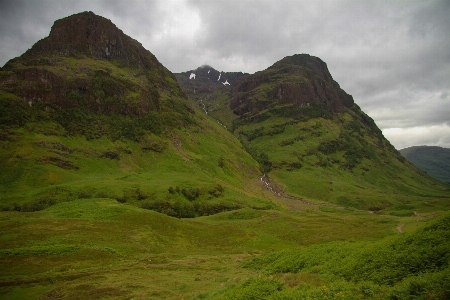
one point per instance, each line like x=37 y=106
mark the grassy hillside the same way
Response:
x=433 y=160
x=43 y=165
x=101 y=248
x=410 y=266
x=313 y=142
x=343 y=159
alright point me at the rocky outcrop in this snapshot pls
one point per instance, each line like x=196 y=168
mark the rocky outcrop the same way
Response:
x=88 y=35
x=87 y=61
x=298 y=80
x=207 y=80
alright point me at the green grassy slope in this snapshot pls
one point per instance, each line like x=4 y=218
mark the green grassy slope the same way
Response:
x=42 y=166
x=101 y=247
x=433 y=160
x=339 y=159
x=410 y=266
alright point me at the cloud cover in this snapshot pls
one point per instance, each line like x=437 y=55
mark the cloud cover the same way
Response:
x=392 y=56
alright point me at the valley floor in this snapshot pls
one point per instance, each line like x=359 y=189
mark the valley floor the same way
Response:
x=99 y=248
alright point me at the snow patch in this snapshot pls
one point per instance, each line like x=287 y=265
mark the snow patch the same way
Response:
x=226 y=82
x=209 y=71
x=219 y=76
x=192 y=76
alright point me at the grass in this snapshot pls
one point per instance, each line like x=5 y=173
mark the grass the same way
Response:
x=104 y=242
x=405 y=266
x=304 y=161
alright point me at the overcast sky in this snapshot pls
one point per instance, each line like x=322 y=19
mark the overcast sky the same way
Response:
x=392 y=56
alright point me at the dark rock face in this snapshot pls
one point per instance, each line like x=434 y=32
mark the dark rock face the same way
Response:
x=87 y=61
x=299 y=80
x=207 y=79
x=88 y=35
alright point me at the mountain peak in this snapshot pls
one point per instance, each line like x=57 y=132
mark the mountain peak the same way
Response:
x=87 y=35
x=85 y=28
x=299 y=80
x=86 y=61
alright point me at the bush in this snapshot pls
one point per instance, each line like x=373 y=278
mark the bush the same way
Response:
x=217 y=191
x=186 y=209
x=191 y=193
x=221 y=162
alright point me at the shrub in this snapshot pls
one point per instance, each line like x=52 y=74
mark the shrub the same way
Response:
x=191 y=193
x=217 y=191
x=221 y=162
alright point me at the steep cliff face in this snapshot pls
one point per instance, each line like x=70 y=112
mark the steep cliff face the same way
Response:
x=206 y=80
x=87 y=61
x=299 y=80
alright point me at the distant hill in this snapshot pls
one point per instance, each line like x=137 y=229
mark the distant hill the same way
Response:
x=432 y=159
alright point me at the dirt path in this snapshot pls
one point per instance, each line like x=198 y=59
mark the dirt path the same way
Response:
x=77 y=275
x=400 y=228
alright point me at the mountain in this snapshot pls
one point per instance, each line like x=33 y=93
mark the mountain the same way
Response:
x=312 y=140
x=89 y=101
x=117 y=184
x=87 y=62
x=432 y=159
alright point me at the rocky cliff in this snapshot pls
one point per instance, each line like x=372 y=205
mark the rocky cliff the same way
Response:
x=299 y=80
x=206 y=79
x=86 y=60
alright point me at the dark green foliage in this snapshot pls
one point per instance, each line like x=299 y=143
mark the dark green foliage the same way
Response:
x=332 y=146
x=187 y=209
x=414 y=264
x=355 y=149
x=221 y=162
x=253 y=134
x=248 y=119
x=254 y=289
x=152 y=144
x=132 y=194
x=36 y=205
x=264 y=162
x=262 y=131
x=292 y=141
x=367 y=121
x=50 y=197
x=191 y=193
x=39 y=250
x=13 y=111
x=217 y=191
x=194 y=193
x=301 y=113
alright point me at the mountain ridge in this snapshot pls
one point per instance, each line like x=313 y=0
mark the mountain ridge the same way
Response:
x=115 y=183
x=88 y=59
x=297 y=122
x=307 y=81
